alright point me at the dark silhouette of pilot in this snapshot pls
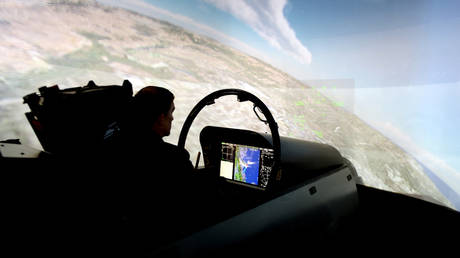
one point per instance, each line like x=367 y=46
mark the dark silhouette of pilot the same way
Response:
x=155 y=177
x=147 y=121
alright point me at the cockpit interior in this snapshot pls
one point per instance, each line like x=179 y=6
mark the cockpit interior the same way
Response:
x=260 y=193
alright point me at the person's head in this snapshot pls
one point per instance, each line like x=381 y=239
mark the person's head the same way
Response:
x=153 y=109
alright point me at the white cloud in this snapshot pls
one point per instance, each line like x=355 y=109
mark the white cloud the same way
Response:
x=267 y=19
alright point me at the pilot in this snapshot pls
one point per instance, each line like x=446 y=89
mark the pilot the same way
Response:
x=148 y=121
x=155 y=177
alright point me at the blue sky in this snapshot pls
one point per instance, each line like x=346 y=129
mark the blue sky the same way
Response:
x=402 y=55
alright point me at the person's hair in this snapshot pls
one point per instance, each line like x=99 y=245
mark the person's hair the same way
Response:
x=148 y=104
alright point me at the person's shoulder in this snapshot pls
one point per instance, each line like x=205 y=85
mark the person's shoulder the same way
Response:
x=176 y=150
x=179 y=157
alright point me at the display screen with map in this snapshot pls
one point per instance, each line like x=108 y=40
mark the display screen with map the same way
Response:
x=246 y=164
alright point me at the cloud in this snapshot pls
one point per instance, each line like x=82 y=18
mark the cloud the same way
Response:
x=267 y=19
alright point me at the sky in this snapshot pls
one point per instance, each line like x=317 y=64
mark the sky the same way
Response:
x=402 y=56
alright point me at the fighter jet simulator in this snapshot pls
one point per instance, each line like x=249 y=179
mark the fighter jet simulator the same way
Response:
x=318 y=126
x=255 y=183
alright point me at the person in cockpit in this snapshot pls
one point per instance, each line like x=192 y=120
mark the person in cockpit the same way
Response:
x=148 y=121
x=154 y=176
